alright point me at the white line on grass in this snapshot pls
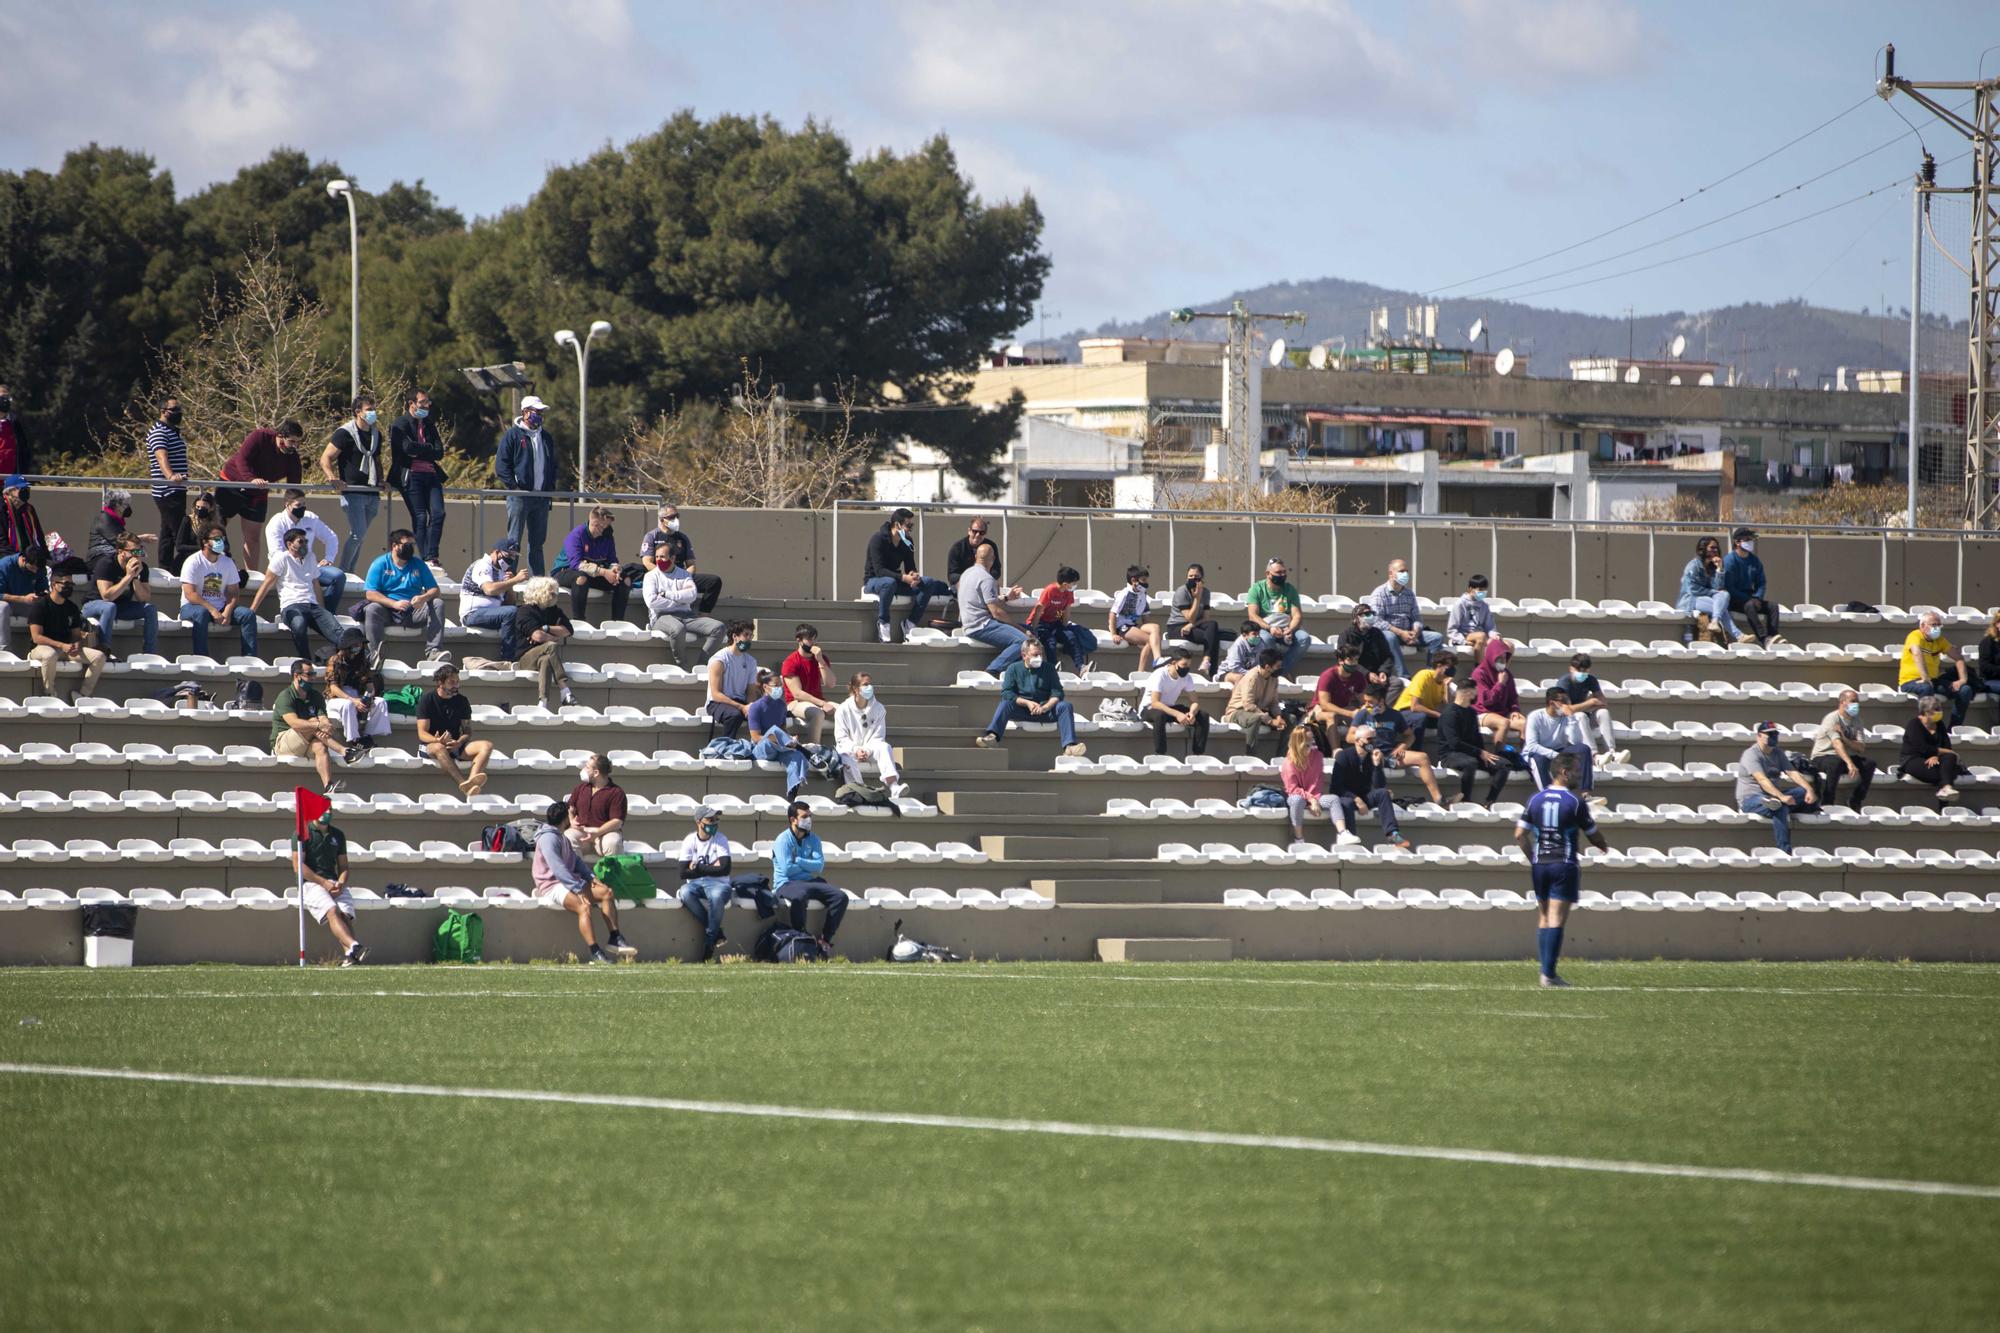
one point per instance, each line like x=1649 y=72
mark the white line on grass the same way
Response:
x=1061 y=1128
x=858 y=973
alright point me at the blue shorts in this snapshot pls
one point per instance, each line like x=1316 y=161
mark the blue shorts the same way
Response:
x=1556 y=879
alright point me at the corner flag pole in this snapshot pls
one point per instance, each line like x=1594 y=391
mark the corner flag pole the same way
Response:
x=299 y=867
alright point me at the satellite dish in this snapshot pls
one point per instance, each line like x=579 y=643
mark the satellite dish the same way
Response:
x=1631 y=374
x=1673 y=379
x=1680 y=344
x=1277 y=356
x=1707 y=380
x=1478 y=327
x=1316 y=358
x=1503 y=364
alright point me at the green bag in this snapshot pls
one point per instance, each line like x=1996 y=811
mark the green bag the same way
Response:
x=460 y=938
x=626 y=874
x=404 y=699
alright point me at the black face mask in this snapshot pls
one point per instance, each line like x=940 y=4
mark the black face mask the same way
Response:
x=6 y=403
x=406 y=552
x=1191 y=583
x=1351 y=669
x=296 y=511
x=126 y=512
x=172 y=416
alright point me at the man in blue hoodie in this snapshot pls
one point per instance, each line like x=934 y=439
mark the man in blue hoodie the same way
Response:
x=1743 y=580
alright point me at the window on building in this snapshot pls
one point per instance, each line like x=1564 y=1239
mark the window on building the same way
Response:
x=1506 y=443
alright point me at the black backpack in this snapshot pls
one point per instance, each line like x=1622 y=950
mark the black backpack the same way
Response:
x=782 y=944
x=759 y=889
x=518 y=836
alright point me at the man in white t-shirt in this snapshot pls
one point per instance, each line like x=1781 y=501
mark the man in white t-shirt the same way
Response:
x=486 y=591
x=705 y=889
x=212 y=592
x=1169 y=697
x=322 y=547
x=296 y=578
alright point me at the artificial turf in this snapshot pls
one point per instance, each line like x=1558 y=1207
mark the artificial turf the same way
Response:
x=155 y=1205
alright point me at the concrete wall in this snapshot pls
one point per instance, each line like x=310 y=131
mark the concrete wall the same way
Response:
x=790 y=554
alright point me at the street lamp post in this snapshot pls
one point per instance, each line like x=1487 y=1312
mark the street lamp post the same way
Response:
x=568 y=338
x=340 y=189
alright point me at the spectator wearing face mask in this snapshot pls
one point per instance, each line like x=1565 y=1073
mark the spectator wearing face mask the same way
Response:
x=670 y=539
x=769 y=740
x=14 y=456
x=211 y=594
x=1840 y=750
x=732 y=674
x=561 y=880
x=1127 y=619
x=1248 y=645
x=805 y=673
x=861 y=734
x=528 y=464
x=322 y=546
x=797 y=864
x=1395 y=604
x=1253 y=703
x=1470 y=622
x=300 y=728
x=1590 y=709
x=113 y=521
x=1193 y=621
x=1169 y=697
x=486 y=591
x=1423 y=699
x=20 y=525
x=1927 y=756
x=352 y=460
x=1767 y=785
x=1498 y=699
x=1365 y=638
x=1276 y=608
x=1339 y=692
x=416 y=470
x=1551 y=732
x=673 y=598
x=1031 y=691
x=705 y=890
x=167 y=471
x=1395 y=738
x=354 y=696
x=401 y=590
x=202 y=515
x=56 y=629
x=268 y=456
x=541 y=629
x=1356 y=778
x=890 y=571
x=23 y=579
x=1930 y=664
x=444 y=730
x=589 y=561
x=1049 y=621
x=597 y=810
x=1702 y=593
x=1743 y=580
x=124 y=592
x=1462 y=745
x=1986 y=676
x=294 y=577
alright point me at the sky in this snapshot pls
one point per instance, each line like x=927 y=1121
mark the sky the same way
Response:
x=1179 y=151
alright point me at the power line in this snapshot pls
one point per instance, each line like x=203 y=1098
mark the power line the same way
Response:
x=1646 y=217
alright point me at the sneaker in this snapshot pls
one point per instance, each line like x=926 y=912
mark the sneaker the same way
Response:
x=882 y=631
x=1619 y=756
x=620 y=947
x=1404 y=844
x=1947 y=793
x=899 y=789
x=909 y=628
x=986 y=740
x=352 y=754
x=1554 y=983
x=355 y=954
x=1346 y=839
x=1595 y=799
x=333 y=787
x=1087 y=667
x=1075 y=751
x=568 y=697
x=597 y=955
x=1776 y=639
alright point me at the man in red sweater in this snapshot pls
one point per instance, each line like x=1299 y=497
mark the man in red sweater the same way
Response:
x=267 y=456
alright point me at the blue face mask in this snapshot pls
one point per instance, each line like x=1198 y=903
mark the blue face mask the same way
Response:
x=868 y=694
x=1852 y=710
x=217 y=545
x=420 y=412
x=906 y=540
x=1579 y=676
x=369 y=416
x=1479 y=594
x=1402 y=578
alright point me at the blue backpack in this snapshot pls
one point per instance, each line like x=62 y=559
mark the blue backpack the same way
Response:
x=1262 y=798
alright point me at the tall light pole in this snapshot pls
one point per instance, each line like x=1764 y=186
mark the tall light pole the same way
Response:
x=342 y=190
x=568 y=338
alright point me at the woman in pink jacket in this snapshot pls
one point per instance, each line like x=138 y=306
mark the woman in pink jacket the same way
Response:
x=1304 y=776
x=1498 y=702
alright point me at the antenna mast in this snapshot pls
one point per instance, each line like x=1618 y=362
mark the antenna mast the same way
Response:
x=1242 y=385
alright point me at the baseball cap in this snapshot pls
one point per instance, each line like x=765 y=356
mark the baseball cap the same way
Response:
x=507 y=546
x=533 y=404
x=703 y=813
x=1767 y=728
x=14 y=482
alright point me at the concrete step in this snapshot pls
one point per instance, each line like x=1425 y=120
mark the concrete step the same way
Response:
x=1009 y=847
x=1098 y=890
x=934 y=759
x=1164 y=950
x=1000 y=804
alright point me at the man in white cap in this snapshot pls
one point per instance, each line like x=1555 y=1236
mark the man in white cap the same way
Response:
x=526 y=464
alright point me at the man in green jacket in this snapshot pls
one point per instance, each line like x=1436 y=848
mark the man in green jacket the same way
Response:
x=1030 y=691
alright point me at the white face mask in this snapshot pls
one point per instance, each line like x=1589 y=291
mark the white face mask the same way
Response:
x=1749 y=548
x=673 y=525
x=584 y=773
x=805 y=823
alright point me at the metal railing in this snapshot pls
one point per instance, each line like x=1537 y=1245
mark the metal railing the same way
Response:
x=477 y=494
x=1416 y=524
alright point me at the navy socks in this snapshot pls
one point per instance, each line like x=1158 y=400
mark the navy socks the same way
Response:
x=1548 y=946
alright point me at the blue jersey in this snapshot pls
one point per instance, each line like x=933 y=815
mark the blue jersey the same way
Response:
x=1557 y=820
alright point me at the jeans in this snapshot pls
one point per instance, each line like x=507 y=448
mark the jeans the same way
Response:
x=361 y=507
x=494 y=617
x=377 y=618
x=1542 y=765
x=797 y=893
x=333 y=585
x=1716 y=604
x=1007 y=638
x=198 y=619
x=1780 y=813
x=1293 y=651
x=706 y=899
x=423 y=496
x=528 y=524
x=1832 y=771
x=684 y=628
x=1380 y=802
x=106 y=614
x=886 y=590
x=301 y=616
x=1960 y=695
x=1063 y=715
x=1428 y=642
x=1068 y=636
x=791 y=756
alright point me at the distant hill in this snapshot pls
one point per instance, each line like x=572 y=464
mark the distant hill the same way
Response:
x=1781 y=342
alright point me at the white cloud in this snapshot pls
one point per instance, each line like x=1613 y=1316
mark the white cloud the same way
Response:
x=1525 y=40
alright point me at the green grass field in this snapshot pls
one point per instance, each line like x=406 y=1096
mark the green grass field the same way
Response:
x=139 y=1204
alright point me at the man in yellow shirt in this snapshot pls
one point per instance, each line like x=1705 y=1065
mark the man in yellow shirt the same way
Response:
x=1922 y=673
x=1423 y=699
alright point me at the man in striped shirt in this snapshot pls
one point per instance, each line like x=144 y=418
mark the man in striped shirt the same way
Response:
x=167 y=466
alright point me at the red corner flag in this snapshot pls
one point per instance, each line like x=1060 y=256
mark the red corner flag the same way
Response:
x=310 y=805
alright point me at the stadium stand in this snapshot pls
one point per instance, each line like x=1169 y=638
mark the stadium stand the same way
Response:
x=130 y=795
